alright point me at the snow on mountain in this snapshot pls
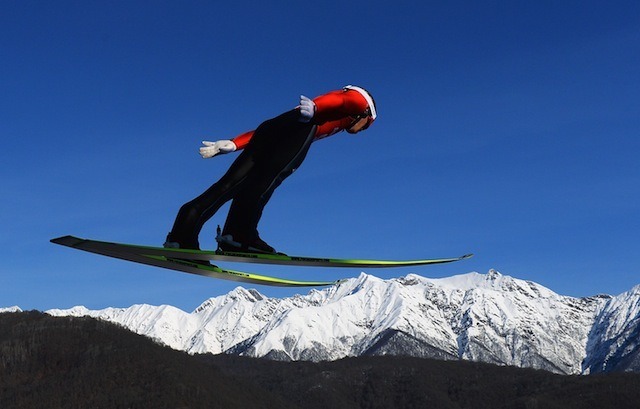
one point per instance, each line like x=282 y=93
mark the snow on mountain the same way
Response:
x=215 y=326
x=615 y=336
x=480 y=317
x=503 y=320
x=489 y=318
x=164 y=323
x=15 y=308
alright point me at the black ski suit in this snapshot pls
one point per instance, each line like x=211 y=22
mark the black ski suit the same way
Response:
x=250 y=181
x=273 y=151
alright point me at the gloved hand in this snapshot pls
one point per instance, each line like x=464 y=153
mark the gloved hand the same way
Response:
x=307 y=109
x=211 y=149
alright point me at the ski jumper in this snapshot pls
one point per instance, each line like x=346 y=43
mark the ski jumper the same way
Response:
x=269 y=155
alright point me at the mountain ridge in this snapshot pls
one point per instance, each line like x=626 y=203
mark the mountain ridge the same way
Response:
x=489 y=317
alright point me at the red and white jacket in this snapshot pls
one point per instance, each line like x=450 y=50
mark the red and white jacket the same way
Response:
x=334 y=113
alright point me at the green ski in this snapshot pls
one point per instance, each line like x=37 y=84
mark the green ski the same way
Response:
x=182 y=264
x=280 y=259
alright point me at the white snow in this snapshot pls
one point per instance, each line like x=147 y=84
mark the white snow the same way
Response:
x=15 y=308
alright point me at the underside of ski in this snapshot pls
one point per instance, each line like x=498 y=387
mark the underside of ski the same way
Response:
x=181 y=263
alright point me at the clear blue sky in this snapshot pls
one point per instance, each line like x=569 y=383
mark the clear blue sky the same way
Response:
x=508 y=129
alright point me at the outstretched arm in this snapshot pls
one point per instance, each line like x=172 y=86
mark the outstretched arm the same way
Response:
x=333 y=106
x=242 y=141
x=211 y=149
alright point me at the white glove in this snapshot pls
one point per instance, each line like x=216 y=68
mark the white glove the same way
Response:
x=307 y=109
x=211 y=149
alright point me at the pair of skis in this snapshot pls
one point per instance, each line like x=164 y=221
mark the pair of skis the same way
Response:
x=198 y=261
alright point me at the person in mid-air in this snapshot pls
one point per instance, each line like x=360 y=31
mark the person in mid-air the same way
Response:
x=270 y=154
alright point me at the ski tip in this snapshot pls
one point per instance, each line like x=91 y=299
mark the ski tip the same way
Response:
x=69 y=241
x=466 y=256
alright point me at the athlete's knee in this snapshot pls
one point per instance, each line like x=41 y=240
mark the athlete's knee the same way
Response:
x=191 y=210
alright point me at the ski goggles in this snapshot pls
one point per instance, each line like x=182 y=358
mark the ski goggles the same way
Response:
x=359 y=123
x=366 y=115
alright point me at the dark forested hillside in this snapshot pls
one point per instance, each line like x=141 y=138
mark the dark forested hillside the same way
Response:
x=48 y=362
x=51 y=362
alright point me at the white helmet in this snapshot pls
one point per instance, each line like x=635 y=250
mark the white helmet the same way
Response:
x=371 y=111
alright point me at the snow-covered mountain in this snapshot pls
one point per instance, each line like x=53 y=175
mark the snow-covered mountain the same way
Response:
x=10 y=309
x=480 y=317
x=615 y=336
